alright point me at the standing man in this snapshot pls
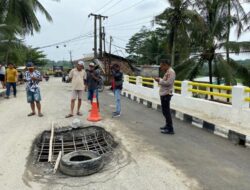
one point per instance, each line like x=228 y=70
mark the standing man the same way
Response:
x=77 y=75
x=32 y=78
x=117 y=87
x=11 y=80
x=93 y=78
x=2 y=75
x=166 y=93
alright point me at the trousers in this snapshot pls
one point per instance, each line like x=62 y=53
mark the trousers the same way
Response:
x=165 y=104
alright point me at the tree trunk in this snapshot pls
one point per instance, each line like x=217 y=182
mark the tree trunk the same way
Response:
x=228 y=30
x=7 y=57
x=210 y=61
x=228 y=38
x=210 y=71
x=173 y=49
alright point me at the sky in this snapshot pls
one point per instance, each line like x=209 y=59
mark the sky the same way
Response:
x=71 y=23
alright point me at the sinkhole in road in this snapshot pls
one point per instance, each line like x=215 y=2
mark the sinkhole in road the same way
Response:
x=67 y=140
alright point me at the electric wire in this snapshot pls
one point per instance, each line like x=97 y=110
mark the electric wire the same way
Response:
x=126 y=9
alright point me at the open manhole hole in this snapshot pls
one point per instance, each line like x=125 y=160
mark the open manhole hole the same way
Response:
x=68 y=140
x=80 y=158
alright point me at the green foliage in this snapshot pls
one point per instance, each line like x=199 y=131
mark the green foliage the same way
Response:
x=146 y=47
x=18 y=18
x=23 y=14
x=193 y=33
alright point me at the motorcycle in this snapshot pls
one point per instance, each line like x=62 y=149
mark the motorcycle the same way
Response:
x=46 y=77
x=101 y=84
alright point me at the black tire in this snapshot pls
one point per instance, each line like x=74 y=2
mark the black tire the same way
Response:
x=81 y=163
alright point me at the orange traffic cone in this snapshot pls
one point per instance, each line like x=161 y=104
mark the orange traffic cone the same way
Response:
x=94 y=115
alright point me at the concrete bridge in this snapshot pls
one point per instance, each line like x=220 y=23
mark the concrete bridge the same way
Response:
x=227 y=117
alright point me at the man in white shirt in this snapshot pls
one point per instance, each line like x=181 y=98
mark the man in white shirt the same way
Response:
x=166 y=93
x=77 y=76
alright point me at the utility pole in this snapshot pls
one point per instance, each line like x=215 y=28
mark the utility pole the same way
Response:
x=71 y=61
x=100 y=34
x=95 y=33
x=110 y=45
x=100 y=17
x=104 y=38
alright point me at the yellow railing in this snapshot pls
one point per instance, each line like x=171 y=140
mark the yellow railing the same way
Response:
x=218 y=90
x=177 y=82
x=247 y=90
x=148 y=81
x=177 y=85
x=210 y=93
x=247 y=99
x=177 y=88
x=211 y=86
x=132 y=79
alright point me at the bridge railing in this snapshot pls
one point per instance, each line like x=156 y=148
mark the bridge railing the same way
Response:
x=238 y=96
x=219 y=93
x=247 y=99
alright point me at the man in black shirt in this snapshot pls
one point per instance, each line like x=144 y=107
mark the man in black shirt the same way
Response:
x=93 y=79
x=117 y=87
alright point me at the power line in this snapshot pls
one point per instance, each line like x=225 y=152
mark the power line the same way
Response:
x=125 y=28
x=105 y=5
x=128 y=25
x=129 y=22
x=119 y=39
x=66 y=41
x=132 y=6
x=112 y=6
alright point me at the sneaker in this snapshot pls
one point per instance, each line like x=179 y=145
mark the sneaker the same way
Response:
x=7 y=97
x=116 y=114
x=167 y=132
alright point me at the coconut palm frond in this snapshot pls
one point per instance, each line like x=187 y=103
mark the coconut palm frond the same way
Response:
x=236 y=47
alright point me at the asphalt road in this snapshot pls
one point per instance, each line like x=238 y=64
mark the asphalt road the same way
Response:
x=133 y=165
x=192 y=159
x=213 y=161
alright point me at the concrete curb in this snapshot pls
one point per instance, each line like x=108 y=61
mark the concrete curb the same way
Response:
x=235 y=137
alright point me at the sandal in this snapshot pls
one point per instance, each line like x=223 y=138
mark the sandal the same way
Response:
x=40 y=115
x=68 y=116
x=31 y=114
x=79 y=114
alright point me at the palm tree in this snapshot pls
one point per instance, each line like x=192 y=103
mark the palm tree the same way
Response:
x=240 y=18
x=17 y=18
x=210 y=40
x=22 y=13
x=178 y=19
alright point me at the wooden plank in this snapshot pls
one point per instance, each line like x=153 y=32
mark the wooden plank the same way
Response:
x=57 y=161
x=51 y=142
